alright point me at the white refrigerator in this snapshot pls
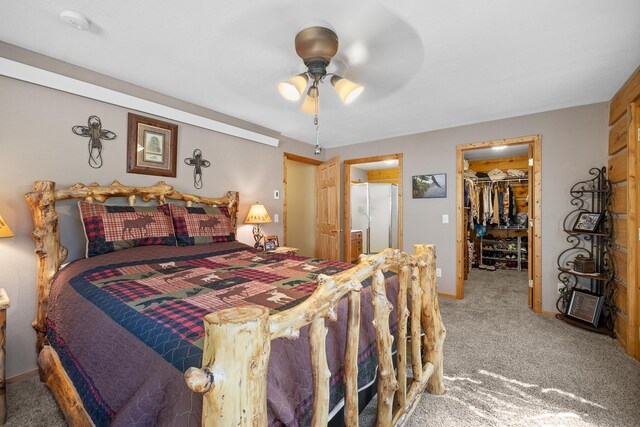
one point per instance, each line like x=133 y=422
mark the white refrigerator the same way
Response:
x=374 y=211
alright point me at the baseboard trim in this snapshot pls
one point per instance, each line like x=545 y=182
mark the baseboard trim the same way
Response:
x=440 y=294
x=549 y=313
x=23 y=376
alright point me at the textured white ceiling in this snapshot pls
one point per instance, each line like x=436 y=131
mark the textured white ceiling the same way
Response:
x=425 y=64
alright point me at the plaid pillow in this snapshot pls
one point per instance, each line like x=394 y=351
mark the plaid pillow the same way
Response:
x=206 y=224
x=111 y=228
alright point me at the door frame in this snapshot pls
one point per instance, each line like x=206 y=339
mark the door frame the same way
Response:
x=295 y=158
x=346 y=214
x=535 y=141
x=633 y=229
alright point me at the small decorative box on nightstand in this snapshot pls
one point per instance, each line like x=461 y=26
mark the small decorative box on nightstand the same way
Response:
x=285 y=250
x=4 y=304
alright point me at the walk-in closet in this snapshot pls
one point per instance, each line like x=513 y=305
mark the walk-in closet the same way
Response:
x=496 y=197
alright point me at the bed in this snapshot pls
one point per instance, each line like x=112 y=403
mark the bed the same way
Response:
x=222 y=334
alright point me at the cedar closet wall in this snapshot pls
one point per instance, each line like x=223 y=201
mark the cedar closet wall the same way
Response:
x=624 y=173
x=505 y=244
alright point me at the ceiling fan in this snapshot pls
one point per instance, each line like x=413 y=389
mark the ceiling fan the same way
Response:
x=317 y=46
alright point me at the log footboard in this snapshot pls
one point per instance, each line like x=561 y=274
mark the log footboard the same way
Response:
x=58 y=382
x=238 y=341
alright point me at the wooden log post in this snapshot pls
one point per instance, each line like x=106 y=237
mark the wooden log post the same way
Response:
x=434 y=330
x=320 y=372
x=234 y=374
x=403 y=315
x=5 y=302
x=416 y=302
x=351 y=361
x=51 y=254
x=387 y=382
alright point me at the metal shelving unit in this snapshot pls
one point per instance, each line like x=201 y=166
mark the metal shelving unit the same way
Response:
x=591 y=196
x=520 y=255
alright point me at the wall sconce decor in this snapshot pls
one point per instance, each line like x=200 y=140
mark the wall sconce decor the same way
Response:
x=95 y=133
x=198 y=163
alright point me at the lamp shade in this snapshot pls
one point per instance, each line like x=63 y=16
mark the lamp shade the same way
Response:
x=293 y=88
x=311 y=105
x=257 y=215
x=5 y=231
x=347 y=90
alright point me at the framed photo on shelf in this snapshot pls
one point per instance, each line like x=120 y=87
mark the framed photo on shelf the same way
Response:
x=152 y=146
x=585 y=306
x=588 y=221
x=429 y=186
x=271 y=243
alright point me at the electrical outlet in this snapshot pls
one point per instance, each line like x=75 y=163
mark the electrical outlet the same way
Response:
x=276 y=218
x=276 y=194
x=438 y=272
x=445 y=219
x=561 y=287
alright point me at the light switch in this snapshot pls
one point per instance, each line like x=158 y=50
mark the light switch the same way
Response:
x=276 y=195
x=276 y=218
x=445 y=219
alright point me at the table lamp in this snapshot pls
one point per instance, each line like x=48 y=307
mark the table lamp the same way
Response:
x=5 y=231
x=257 y=215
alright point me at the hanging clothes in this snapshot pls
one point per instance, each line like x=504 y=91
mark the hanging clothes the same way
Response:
x=505 y=204
x=495 y=216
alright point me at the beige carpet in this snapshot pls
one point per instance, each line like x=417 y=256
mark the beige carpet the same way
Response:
x=504 y=366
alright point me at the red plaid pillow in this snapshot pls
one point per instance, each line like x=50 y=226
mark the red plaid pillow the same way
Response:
x=111 y=228
x=207 y=224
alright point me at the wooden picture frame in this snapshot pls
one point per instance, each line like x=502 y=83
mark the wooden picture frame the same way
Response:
x=588 y=221
x=271 y=243
x=585 y=306
x=152 y=146
x=429 y=186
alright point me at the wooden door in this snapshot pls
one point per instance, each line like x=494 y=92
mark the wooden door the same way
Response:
x=530 y=233
x=328 y=203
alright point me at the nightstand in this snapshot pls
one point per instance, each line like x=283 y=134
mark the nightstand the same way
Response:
x=285 y=250
x=4 y=304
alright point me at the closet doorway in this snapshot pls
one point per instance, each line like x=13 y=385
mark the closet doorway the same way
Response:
x=372 y=205
x=506 y=209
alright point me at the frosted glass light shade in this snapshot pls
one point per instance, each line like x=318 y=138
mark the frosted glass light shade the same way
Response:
x=257 y=215
x=5 y=231
x=293 y=88
x=347 y=90
x=311 y=105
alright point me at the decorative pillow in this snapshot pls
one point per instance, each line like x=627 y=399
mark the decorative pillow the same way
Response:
x=111 y=228
x=194 y=226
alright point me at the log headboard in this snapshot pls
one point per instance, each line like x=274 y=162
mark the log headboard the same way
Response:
x=51 y=253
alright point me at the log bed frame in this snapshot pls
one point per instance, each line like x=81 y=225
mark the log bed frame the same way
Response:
x=233 y=378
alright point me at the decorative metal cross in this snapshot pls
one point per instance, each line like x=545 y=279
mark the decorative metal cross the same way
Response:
x=94 y=132
x=198 y=163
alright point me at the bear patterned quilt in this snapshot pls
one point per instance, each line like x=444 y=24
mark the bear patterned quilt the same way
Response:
x=127 y=325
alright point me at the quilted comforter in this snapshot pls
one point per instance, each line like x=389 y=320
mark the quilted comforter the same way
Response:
x=126 y=325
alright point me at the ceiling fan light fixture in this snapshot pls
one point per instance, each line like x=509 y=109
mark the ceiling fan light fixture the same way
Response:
x=293 y=88
x=313 y=91
x=310 y=105
x=347 y=90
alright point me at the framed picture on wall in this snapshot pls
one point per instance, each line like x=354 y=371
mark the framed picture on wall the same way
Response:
x=152 y=146
x=429 y=186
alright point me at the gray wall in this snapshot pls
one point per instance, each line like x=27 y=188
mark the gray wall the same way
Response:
x=573 y=140
x=36 y=142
